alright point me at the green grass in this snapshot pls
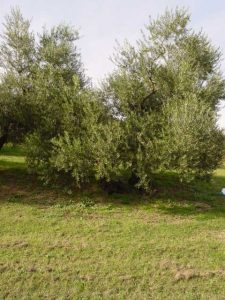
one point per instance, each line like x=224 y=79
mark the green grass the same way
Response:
x=170 y=245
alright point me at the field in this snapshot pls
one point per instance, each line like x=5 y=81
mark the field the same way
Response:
x=170 y=245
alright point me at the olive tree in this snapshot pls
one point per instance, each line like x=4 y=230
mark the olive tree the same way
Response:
x=17 y=64
x=171 y=63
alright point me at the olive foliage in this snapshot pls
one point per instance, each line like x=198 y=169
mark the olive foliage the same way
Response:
x=17 y=61
x=166 y=90
x=155 y=112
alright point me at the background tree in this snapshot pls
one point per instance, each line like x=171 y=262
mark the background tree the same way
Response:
x=17 y=61
x=22 y=61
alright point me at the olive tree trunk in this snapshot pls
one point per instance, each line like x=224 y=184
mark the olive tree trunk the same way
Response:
x=3 y=140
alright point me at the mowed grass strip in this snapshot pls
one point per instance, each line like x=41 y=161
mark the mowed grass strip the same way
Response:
x=170 y=245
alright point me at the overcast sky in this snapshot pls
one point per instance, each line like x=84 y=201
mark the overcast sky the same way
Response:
x=102 y=22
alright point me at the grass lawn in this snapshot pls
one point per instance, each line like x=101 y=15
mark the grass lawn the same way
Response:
x=94 y=246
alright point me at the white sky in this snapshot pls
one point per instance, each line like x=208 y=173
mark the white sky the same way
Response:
x=101 y=22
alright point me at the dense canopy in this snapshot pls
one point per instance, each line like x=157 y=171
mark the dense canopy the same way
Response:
x=156 y=112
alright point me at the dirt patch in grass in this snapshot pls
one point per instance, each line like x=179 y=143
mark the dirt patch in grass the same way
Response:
x=181 y=272
x=16 y=244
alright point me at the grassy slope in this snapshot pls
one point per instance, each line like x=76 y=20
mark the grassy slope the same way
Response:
x=169 y=246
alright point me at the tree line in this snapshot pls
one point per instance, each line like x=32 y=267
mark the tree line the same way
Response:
x=155 y=112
